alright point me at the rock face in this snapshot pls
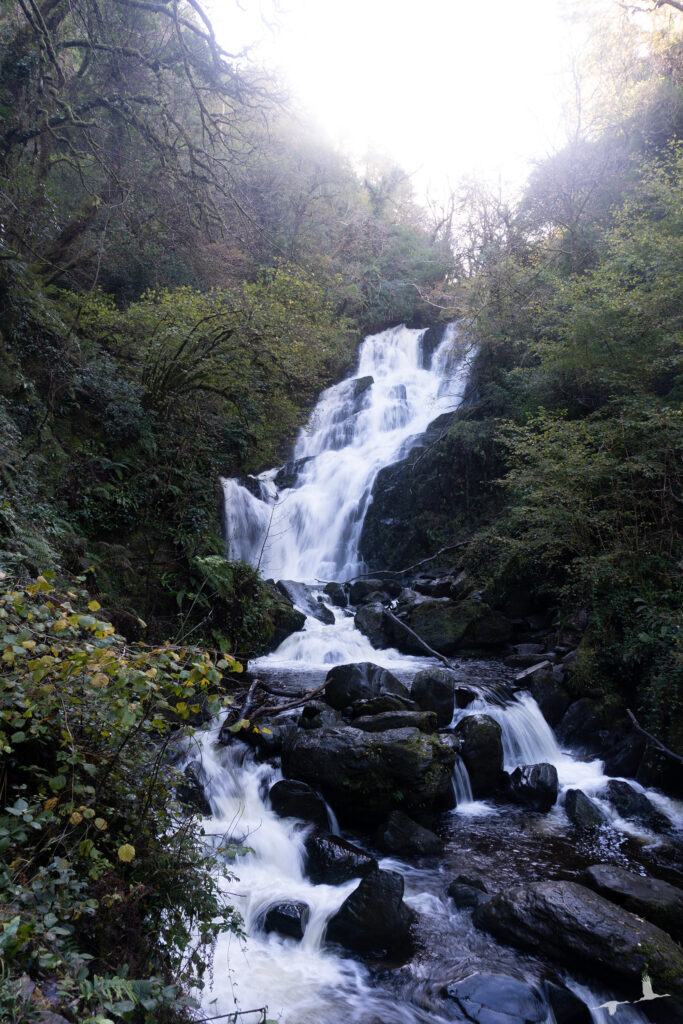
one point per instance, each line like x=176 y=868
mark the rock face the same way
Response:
x=331 y=860
x=481 y=749
x=442 y=623
x=497 y=999
x=467 y=891
x=583 y=727
x=292 y=799
x=366 y=775
x=425 y=721
x=581 y=811
x=363 y=681
x=288 y=919
x=567 y=1007
x=286 y=619
x=656 y=901
x=433 y=689
x=191 y=790
x=534 y=786
x=374 y=918
x=635 y=806
x=400 y=834
x=300 y=595
x=370 y=620
x=551 y=697
x=574 y=925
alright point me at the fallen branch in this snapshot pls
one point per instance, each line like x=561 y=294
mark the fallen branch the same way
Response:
x=653 y=739
x=423 y=643
x=310 y=694
x=237 y=716
x=381 y=573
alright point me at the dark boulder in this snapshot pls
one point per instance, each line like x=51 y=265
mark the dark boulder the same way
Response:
x=360 y=589
x=292 y=799
x=440 y=622
x=288 y=475
x=464 y=696
x=378 y=705
x=566 y=1006
x=284 y=617
x=374 y=918
x=316 y=714
x=425 y=721
x=465 y=896
x=288 y=918
x=486 y=998
x=490 y=630
x=433 y=689
x=481 y=749
x=366 y=775
x=549 y=694
x=635 y=806
x=429 y=342
x=578 y=927
x=583 y=726
x=268 y=741
x=371 y=621
x=300 y=595
x=363 y=681
x=660 y=770
x=656 y=901
x=581 y=810
x=361 y=384
x=331 y=860
x=624 y=756
x=534 y=786
x=336 y=594
x=400 y=834
x=191 y=790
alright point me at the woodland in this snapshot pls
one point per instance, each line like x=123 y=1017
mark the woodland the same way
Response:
x=184 y=266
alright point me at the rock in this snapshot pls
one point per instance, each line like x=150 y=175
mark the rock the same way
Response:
x=429 y=342
x=365 y=775
x=582 y=812
x=191 y=791
x=336 y=594
x=300 y=595
x=442 y=587
x=551 y=697
x=292 y=799
x=284 y=617
x=371 y=621
x=267 y=744
x=361 y=589
x=349 y=683
x=464 y=696
x=288 y=919
x=491 y=630
x=331 y=860
x=656 y=901
x=317 y=714
x=624 y=756
x=374 y=918
x=576 y=926
x=466 y=896
x=659 y=770
x=582 y=726
x=289 y=474
x=361 y=385
x=486 y=998
x=481 y=749
x=635 y=806
x=378 y=705
x=440 y=622
x=534 y=786
x=433 y=689
x=425 y=721
x=567 y=1007
x=400 y=834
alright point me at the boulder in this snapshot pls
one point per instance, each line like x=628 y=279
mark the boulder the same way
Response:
x=317 y=714
x=288 y=475
x=578 y=927
x=566 y=1006
x=191 y=790
x=481 y=749
x=465 y=895
x=487 y=998
x=425 y=721
x=433 y=689
x=331 y=860
x=360 y=589
x=292 y=799
x=336 y=594
x=440 y=622
x=651 y=898
x=371 y=621
x=268 y=741
x=623 y=757
x=582 y=812
x=288 y=918
x=464 y=696
x=362 y=384
x=429 y=342
x=635 y=806
x=374 y=918
x=583 y=726
x=400 y=834
x=366 y=775
x=534 y=786
x=660 y=770
x=284 y=617
x=551 y=697
x=300 y=595
x=491 y=630
x=362 y=681
x=378 y=705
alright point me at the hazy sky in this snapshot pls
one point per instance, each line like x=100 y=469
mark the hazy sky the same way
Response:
x=446 y=87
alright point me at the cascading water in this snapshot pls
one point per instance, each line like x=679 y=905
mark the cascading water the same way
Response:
x=305 y=525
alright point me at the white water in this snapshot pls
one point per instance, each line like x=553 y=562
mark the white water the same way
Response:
x=311 y=531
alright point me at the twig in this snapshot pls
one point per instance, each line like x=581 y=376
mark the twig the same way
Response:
x=653 y=739
x=423 y=643
x=310 y=694
x=380 y=573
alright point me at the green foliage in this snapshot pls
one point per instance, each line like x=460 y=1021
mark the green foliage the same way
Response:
x=106 y=893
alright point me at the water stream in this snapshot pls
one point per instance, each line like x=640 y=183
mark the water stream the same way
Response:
x=307 y=528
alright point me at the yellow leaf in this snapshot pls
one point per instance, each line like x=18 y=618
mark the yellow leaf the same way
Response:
x=100 y=824
x=99 y=680
x=50 y=804
x=94 y=606
x=60 y=625
x=126 y=853
x=28 y=644
x=76 y=818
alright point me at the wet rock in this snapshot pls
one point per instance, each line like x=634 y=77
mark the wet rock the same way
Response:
x=288 y=919
x=534 y=786
x=491 y=630
x=441 y=587
x=433 y=689
x=316 y=714
x=551 y=697
x=371 y=621
x=566 y=1006
x=659 y=770
x=360 y=589
x=635 y=806
x=481 y=749
x=363 y=681
x=336 y=594
x=464 y=696
x=292 y=799
x=288 y=475
x=378 y=705
x=400 y=834
x=300 y=595
x=284 y=617
x=656 y=901
x=269 y=741
x=365 y=775
x=429 y=342
x=466 y=896
x=374 y=918
x=576 y=926
x=582 y=812
x=443 y=624
x=486 y=998
x=191 y=790
x=331 y=860
x=624 y=756
x=582 y=727
x=425 y=721
x=361 y=385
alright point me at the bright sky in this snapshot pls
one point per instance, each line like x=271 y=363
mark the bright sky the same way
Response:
x=447 y=88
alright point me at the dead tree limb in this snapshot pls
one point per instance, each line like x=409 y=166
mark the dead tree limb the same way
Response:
x=423 y=643
x=381 y=573
x=310 y=694
x=653 y=739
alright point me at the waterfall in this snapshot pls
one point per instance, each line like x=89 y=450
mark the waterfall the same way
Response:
x=310 y=529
